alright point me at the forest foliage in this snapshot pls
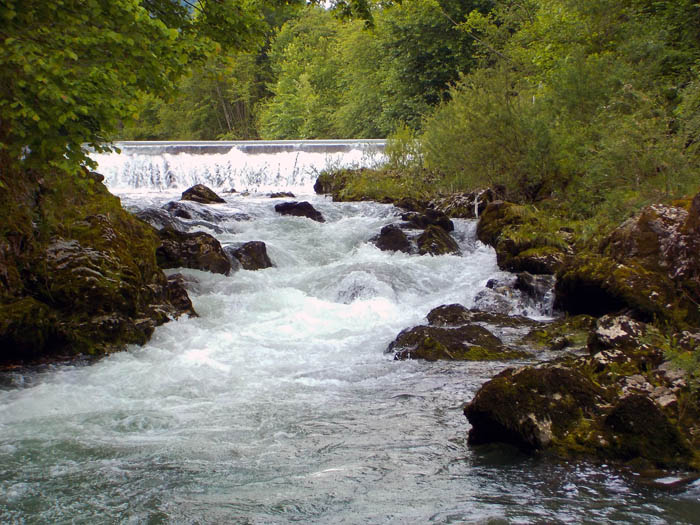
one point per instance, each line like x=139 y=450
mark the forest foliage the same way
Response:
x=596 y=103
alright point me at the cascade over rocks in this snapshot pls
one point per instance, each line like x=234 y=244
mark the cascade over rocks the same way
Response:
x=200 y=193
x=86 y=282
x=299 y=209
x=197 y=250
x=251 y=255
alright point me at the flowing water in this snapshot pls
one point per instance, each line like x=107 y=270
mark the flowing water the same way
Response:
x=278 y=404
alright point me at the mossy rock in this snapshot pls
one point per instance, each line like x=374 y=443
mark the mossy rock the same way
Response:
x=639 y=429
x=80 y=273
x=597 y=285
x=568 y=332
x=464 y=343
x=496 y=216
x=436 y=241
x=532 y=407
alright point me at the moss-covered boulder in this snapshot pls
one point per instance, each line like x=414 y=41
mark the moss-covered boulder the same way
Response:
x=566 y=332
x=522 y=242
x=78 y=274
x=197 y=250
x=622 y=402
x=299 y=209
x=428 y=218
x=598 y=285
x=436 y=241
x=454 y=333
x=532 y=407
x=200 y=193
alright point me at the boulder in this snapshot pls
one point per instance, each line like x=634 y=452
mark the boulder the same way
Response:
x=392 y=238
x=428 y=218
x=251 y=255
x=453 y=334
x=411 y=204
x=200 y=193
x=640 y=429
x=537 y=287
x=522 y=243
x=532 y=407
x=464 y=343
x=282 y=195
x=598 y=285
x=464 y=205
x=197 y=250
x=91 y=288
x=299 y=209
x=160 y=218
x=567 y=332
x=436 y=241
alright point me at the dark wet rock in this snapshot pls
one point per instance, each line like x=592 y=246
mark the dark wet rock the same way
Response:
x=250 y=256
x=532 y=407
x=641 y=430
x=392 y=238
x=177 y=294
x=464 y=205
x=196 y=250
x=455 y=333
x=178 y=209
x=160 y=218
x=411 y=204
x=428 y=218
x=458 y=315
x=436 y=241
x=202 y=215
x=538 y=287
x=200 y=193
x=282 y=195
x=299 y=209
x=464 y=343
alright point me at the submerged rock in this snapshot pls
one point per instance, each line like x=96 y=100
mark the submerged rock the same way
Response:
x=251 y=255
x=299 y=209
x=200 y=193
x=197 y=250
x=160 y=218
x=392 y=238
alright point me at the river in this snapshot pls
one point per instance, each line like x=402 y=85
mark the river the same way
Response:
x=279 y=404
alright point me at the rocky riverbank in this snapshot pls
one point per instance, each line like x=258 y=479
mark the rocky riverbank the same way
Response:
x=78 y=274
x=625 y=384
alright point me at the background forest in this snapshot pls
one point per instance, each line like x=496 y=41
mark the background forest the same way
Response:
x=596 y=102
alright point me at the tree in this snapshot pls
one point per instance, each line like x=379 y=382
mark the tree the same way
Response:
x=73 y=69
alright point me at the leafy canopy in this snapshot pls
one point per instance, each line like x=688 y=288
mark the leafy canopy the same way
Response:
x=73 y=69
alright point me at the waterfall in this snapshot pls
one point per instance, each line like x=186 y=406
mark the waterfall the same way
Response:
x=254 y=166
